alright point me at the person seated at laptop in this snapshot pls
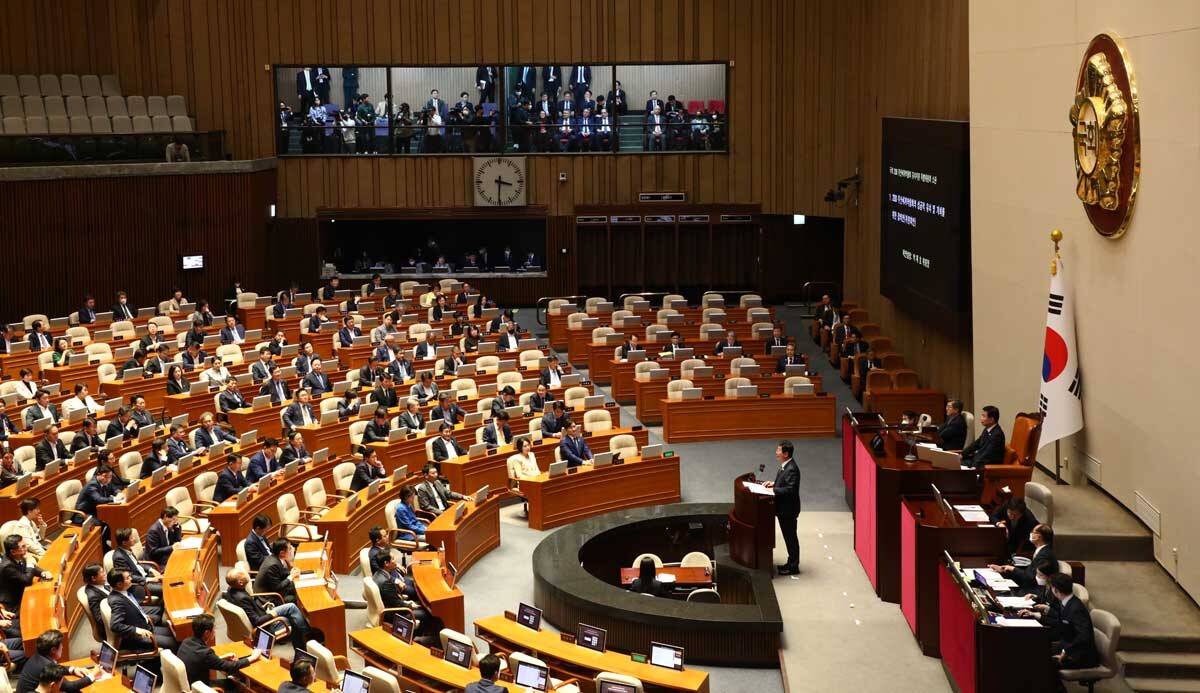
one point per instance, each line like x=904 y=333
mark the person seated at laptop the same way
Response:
x=406 y=514
x=647 y=580
x=433 y=494
x=199 y=658
x=1042 y=538
x=730 y=340
x=367 y=470
x=1015 y=517
x=953 y=430
x=498 y=430
x=789 y=359
x=489 y=669
x=573 y=448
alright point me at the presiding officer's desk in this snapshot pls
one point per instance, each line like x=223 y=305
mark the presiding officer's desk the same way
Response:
x=650 y=394
x=880 y=480
x=732 y=418
x=190 y=583
x=984 y=657
x=586 y=491
x=568 y=660
x=51 y=604
x=926 y=531
x=623 y=370
x=419 y=670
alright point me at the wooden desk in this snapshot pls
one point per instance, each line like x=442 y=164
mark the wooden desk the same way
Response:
x=880 y=481
x=266 y=675
x=650 y=394
x=429 y=576
x=154 y=389
x=266 y=421
x=348 y=531
x=51 y=605
x=11 y=364
x=321 y=603
x=893 y=403
x=420 y=670
x=692 y=577
x=144 y=509
x=595 y=491
x=600 y=356
x=471 y=537
x=568 y=660
x=190 y=582
x=623 y=372
x=925 y=532
x=726 y=418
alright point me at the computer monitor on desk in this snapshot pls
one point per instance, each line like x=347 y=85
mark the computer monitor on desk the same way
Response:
x=591 y=637
x=531 y=676
x=529 y=616
x=667 y=656
x=458 y=653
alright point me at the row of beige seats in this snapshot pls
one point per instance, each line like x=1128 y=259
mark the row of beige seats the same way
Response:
x=710 y=299
x=60 y=85
x=96 y=125
x=27 y=106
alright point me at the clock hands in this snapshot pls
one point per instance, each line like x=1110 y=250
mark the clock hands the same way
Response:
x=499 y=182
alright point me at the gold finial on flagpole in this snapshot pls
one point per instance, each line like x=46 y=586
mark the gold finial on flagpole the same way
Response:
x=1056 y=236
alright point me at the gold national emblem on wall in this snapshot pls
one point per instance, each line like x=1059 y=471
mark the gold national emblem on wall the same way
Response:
x=1106 y=138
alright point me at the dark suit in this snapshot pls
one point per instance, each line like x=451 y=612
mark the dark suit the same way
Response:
x=160 y=542
x=721 y=345
x=772 y=342
x=346 y=336
x=552 y=425
x=401 y=369
x=274 y=576
x=412 y=421
x=14 y=578
x=1026 y=576
x=257 y=549
x=784 y=361
x=40 y=341
x=826 y=314
x=94 y=494
x=150 y=464
x=489 y=435
x=428 y=496
x=231 y=400
x=127 y=616
x=386 y=397
x=317 y=383
x=538 y=403
x=425 y=350
x=544 y=375
x=787 y=508
x=866 y=364
x=528 y=77
x=83 y=440
x=260 y=466
x=228 y=485
x=47 y=453
x=364 y=474
x=552 y=80
x=199 y=659
x=178 y=387
x=450 y=365
x=843 y=332
x=485 y=82
x=176 y=449
x=124 y=560
x=278 y=390
x=574 y=450
x=228 y=336
x=1076 y=634
x=617 y=102
x=206 y=438
x=289 y=454
x=651 y=103
x=95 y=595
x=293 y=416
x=987 y=449
x=442 y=450
x=451 y=416
x=375 y=433
x=260 y=370
x=953 y=432
x=28 y=682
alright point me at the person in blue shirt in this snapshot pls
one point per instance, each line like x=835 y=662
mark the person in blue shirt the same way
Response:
x=406 y=514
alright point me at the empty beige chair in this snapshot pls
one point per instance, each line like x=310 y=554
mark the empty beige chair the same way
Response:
x=98 y=351
x=121 y=125
x=49 y=86
x=704 y=596
x=448 y=634
x=380 y=681
x=315 y=497
x=54 y=106
x=666 y=302
x=34 y=108
x=574 y=396
x=618 y=315
x=36 y=126
x=664 y=315
x=205 y=486
x=78 y=335
x=156 y=106
x=597 y=421
x=622 y=679
x=970 y=419
x=793 y=380
x=1107 y=630
x=96 y=106
x=8 y=86
x=732 y=384
x=14 y=126
x=174 y=674
x=26 y=457
x=327 y=664
x=599 y=333
x=12 y=107
x=76 y=106
x=747 y=298
x=736 y=365
x=181 y=124
x=343 y=474
x=293 y=521
x=592 y=302
x=176 y=106
x=115 y=106
x=575 y=319
x=247 y=299
x=161 y=123
x=641 y=370
x=511 y=379
x=67 y=493
x=82 y=125
x=713 y=314
x=357 y=429
x=110 y=85
x=130 y=465
x=189 y=519
x=637 y=562
x=27 y=85
x=625 y=445
x=687 y=369
x=141 y=124
x=69 y=85
x=1040 y=500
x=675 y=388
x=229 y=352
x=123 y=329
x=711 y=330
x=58 y=125
x=487 y=362
x=136 y=105
x=464 y=387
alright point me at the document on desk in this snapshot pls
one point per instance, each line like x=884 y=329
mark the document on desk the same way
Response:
x=187 y=613
x=1018 y=622
x=191 y=543
x=758 y=488
x=972 y=513
x=1015 y=602
x=311 y=582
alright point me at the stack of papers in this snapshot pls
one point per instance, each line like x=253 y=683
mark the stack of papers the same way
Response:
x=1018 y=622
x=758 y=488
x=187 y=613
x=311 y=582
x=996 y=581
x=192 y=542
x=972 y=513
x=1015 y=602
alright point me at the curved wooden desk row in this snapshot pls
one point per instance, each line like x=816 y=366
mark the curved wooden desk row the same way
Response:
x=580 y=346
x=51 y=605
x=601 y=362
x=190 y=582
x=651 y=393
x=731 y=418
x=556 y=323
x=591 y=491
x=568 y=660
x=623 y=371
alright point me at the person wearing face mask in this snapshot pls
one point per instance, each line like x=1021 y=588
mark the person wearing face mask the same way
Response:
x=121 y=310
x=1042 y=538
x=1043 y=606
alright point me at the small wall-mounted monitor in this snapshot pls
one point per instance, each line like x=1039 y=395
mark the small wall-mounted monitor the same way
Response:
x=191 y=262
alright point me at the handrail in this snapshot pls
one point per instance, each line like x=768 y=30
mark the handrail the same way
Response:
x=543 y=303
x=643 y=294
x=807 y=287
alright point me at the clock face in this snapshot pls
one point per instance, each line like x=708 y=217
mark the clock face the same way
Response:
x=499 y=181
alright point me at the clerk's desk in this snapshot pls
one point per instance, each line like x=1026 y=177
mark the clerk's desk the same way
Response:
x=729 y=418
x=926 y=531
x=650 y=394
x=879 y=483
x=51 y=605
x=232 y=522
x=893 y=403
x=190 y=583
x=568 y=660
x=587 y=491
x=418 y=669
x=983 y=657
x=623 y=370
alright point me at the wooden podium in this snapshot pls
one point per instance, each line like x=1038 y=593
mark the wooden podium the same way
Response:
x=751 y=526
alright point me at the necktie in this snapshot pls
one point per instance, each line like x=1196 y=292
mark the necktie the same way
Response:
x=305 y=416
x=437 y=498
x=279 y=389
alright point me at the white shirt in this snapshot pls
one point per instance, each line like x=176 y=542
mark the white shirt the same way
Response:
x=554 y=379
x=216 y=374
x=526 y=467
x=87 y=403
x=307 y=81
x=26 y=390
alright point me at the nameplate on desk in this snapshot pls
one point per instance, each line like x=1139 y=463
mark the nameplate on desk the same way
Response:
x=660 y=219
x=625 y=220
x=591 y=220
x=749 y=371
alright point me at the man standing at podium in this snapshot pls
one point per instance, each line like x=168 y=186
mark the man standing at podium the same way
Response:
x=787 y=504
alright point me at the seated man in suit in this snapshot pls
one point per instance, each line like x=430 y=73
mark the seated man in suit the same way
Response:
x=953 y=430
x=573 y=448
x=231 y=480
x=177 y=444
x=388 y=326
x=137 y=360
x=393 y=585
x=844 y=333
x=232 y=333
x=163 y=536
x=158 y=360
x=425 y=389
x=367 y=470
x=264 y=610
x=551 y=375
x=98 y=491
x=385 y=395
x=988 y=448
x=555 y=419
x=446 y=446
x=39 y=337
x=265 y=461
x=16 y=574
x=277 y=574
x=137 y=629
x=50 y=448
x=146 y=581
x=316 y=382
x=401 y=368
x=1018 y=522
x=791 y=359
x=281 y=306
x=46 y=662
x=41 y=409
x=869 y=362
x=293 y=450
x=260 y=370
x=87 y=437
x=210 y=433
x=776 y=339
x=1041 y=537
x=199 y=659
x=371 y=373
x=319 y=317
x=231 y=398
x=300 y=412
x=447 y=410
x=378 y=429
x=412 y=418
x=630 y=344
x=426 y=349
x=194 y=358
x=507 y=398
x=156 y=459
x=434 y=495
x=507 y=341
x=730 y=340
x=349 y=331
x=498 y=430
x=540 y=398
x=386 y=352
x=276 y=387
x=256 y=545
x=97 y=589
x=1075 y=629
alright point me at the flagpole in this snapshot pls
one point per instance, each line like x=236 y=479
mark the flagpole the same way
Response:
x=1056 y=236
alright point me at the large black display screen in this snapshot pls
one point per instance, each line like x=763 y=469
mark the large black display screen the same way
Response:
x=925 y=239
